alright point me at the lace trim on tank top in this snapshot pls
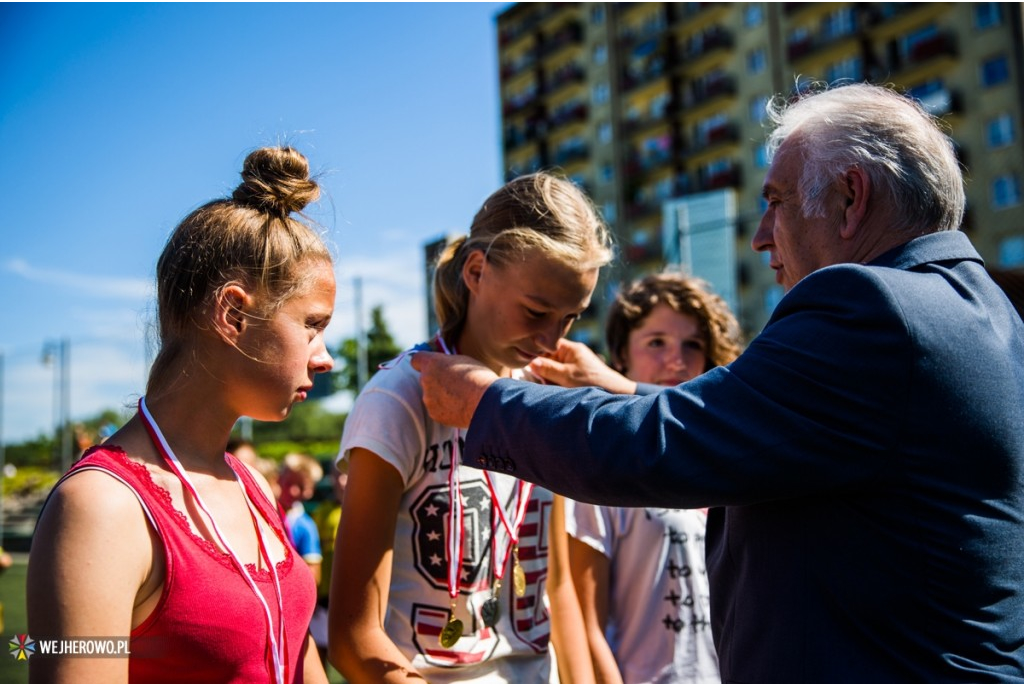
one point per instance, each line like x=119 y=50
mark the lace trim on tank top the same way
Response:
x=163 y=497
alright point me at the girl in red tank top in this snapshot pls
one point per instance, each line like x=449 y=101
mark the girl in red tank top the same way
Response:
x=160 y=536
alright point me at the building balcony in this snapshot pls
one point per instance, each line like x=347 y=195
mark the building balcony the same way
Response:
x=877 y=13
x=567 y=114
x=518 y=66
x=565 y=75
x=568 y=34
x=719 y=135
x=638 y=165
x=523 y=24
x=726 y=178
x=634 y=78
x=515 y=105
x=637 y=125
x=519 y=135
x=684 y=11
x=651 y=31
x=928 y=50
x=704 y=90
x=570 y=154
x=940 y=45
x=696 y=46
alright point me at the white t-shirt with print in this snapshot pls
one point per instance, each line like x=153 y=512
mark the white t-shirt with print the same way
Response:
x=389 y=419
x=658 y=607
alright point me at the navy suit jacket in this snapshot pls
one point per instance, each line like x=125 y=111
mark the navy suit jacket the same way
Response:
x=865 y=458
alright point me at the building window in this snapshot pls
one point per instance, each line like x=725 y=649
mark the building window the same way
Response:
x=845 y=70
x=987 y=14
x=839 y=23
x=607 y=173
x=609 y=212
x=772 y=297
x=934 y=96
x=1011 y=252
x=753 y=14
x=660 y=103
x=756 y=61
x=995 y=71
x=759 y=108
x=1005 y=191
x=604 y=132
x=600 y=54
x=597 y=14
x=999 y=131
x=761 y=157
x=601 y=93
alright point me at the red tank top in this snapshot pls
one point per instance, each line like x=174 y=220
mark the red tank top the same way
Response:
x=208 y=625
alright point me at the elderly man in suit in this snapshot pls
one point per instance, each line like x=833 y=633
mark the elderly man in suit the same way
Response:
x=864 y=457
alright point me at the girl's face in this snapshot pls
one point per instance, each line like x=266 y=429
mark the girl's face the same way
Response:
x=519 y=311
x=667 y=348
x=288 y=350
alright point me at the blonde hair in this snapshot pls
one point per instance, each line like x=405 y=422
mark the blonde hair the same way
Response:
x=249 y=238
x=533 y=212
x=685 y=295
x=302 y=465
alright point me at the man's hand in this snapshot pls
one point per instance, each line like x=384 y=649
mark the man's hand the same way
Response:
x=452 y=386
x=574 y=365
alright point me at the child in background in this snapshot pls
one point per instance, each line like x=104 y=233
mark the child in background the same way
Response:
x=640 y=573
x=298 y=478
x=327 y=517
x=419 y=592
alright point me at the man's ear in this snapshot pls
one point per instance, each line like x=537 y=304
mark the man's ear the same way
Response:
x=229 y=318
x=473 y=269
x=855 y=190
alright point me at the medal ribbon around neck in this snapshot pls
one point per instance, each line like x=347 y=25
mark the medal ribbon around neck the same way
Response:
x=522 y=499
x=451 y=633
x=277 y=645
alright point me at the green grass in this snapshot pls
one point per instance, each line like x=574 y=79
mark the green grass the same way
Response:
x=12 y=594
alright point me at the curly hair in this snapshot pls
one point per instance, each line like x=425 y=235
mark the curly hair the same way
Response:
x=685 y=295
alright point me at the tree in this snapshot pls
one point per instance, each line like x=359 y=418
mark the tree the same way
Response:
x=380 y=347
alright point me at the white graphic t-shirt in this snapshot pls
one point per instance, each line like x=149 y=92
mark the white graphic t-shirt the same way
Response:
x=658 y=607
x=389 y=419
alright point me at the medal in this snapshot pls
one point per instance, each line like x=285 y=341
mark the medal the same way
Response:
x=490 y=612
x=512 y=527
x=518 y=574
x=451 y=632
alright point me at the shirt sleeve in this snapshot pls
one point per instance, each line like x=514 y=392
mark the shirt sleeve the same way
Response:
x=389 y=421
x=590 y=524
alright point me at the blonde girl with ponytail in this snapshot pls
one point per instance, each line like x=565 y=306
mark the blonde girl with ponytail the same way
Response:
x=441 y=572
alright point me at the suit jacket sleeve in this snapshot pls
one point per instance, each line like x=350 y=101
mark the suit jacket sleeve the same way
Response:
x=811 y=405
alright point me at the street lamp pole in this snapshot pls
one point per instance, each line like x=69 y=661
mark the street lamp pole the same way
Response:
x=65 y=403
x=58 y=355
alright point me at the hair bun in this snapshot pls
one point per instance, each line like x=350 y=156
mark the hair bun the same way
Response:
x=276 y=180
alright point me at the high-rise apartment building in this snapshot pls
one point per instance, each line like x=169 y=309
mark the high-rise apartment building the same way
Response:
x=657 y=110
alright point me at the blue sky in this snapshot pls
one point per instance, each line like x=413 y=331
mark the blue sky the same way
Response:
x=118 y=119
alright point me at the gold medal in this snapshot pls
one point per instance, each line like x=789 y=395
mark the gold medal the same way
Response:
x=518 y=574
x=451 y=633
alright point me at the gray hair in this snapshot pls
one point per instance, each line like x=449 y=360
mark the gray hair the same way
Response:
x=890 y=137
